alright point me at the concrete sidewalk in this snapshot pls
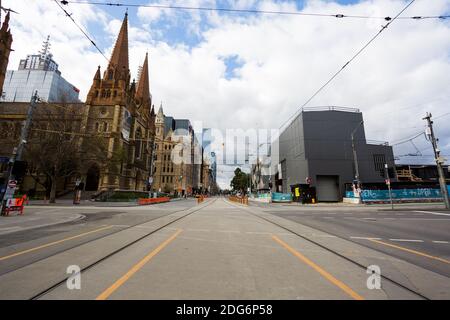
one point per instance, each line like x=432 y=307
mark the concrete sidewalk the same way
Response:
x=89 y=203
x=33 y=219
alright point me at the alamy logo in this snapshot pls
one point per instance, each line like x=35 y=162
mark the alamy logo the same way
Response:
x=374 y=280
x=74 y=280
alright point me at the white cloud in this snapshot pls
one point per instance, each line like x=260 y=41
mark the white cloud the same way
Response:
x=403 y=74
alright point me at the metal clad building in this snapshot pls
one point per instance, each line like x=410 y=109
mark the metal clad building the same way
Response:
x=316 y=148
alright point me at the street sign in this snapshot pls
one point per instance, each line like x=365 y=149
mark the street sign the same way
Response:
x=12 y=183
x=9 y=193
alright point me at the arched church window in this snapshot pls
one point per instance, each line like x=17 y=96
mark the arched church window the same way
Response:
x=138 y=143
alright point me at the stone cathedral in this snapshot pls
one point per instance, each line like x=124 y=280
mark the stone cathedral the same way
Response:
x=122 y=110
x=118 y=112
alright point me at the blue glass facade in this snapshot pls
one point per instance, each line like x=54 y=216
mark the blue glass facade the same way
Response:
x=20 y=85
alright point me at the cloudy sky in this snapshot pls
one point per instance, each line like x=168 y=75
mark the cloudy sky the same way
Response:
x=232 y=70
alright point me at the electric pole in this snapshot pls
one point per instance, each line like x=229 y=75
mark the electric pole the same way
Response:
x=388 y=182
x=438 y=158
x=355 y=157
x=18 y=151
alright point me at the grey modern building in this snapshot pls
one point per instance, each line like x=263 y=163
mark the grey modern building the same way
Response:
x=316 y=150
x=38 y=72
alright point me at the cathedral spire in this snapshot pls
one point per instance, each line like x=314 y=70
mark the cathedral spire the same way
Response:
x=5 y=25
x=143 y=91
x=97 y=74
x=119 y=57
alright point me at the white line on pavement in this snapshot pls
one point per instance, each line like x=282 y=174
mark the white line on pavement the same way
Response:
x=365 y=238
x=323 y=235
x=437 y=241
x=435 y=213
x=255 y=232
x=406 y=240
x=229 y=231
x=198 y=230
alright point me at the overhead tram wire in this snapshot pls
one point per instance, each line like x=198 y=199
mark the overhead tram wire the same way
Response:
x=346 y=64
x=251 y=11
x=81 y=29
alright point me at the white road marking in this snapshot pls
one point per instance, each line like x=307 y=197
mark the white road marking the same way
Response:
x=365 y=238
x=229 y=231
x=10 y=228
x=406 y=240
x=198 y=230
x=324 y=235
x=435 y=213
x=437 y=241
x=255 y=232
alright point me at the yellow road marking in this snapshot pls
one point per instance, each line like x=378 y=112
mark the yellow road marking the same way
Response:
x=410 y=251
x=105 y=294
x=324 y=273
x=53 y=243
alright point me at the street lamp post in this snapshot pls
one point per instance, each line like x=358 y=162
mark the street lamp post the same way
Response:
x=355 y=157
x=388 y=182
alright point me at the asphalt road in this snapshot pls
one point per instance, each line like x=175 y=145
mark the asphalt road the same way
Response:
x=223 y=250
x=98 y=222
x=421 y=237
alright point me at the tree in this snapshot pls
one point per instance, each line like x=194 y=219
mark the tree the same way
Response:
x=240 y=181
x=56 y=147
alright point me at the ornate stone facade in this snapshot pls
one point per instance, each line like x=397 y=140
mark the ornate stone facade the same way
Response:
x=5 y=49
x=119 y=111
x=122 y=110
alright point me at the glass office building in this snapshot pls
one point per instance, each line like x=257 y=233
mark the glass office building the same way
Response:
x=38 y=72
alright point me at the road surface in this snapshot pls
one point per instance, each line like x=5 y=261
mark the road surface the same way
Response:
x=223 y=250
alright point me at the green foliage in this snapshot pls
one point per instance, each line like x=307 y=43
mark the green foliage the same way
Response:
x=240 y=181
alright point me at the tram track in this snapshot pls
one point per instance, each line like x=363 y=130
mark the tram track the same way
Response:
x=334 y=252
x=121 y=248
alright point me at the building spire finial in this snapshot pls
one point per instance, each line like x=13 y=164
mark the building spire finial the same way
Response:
x=143 y=89
x=119 y=56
